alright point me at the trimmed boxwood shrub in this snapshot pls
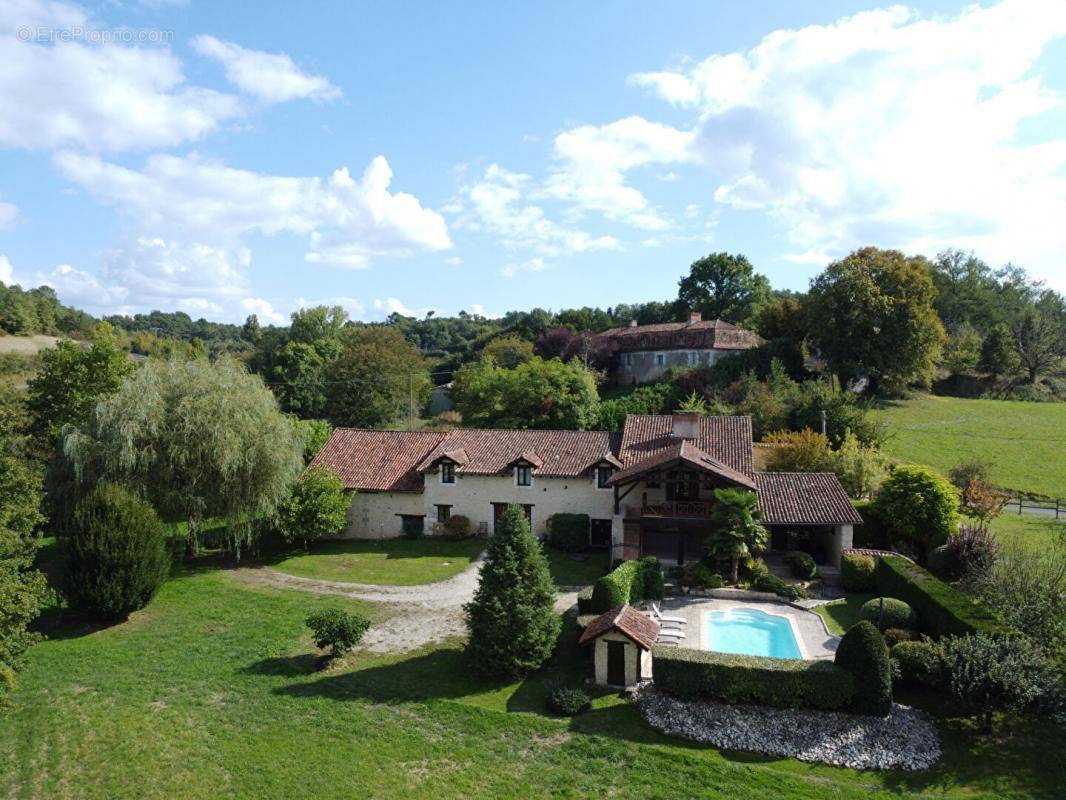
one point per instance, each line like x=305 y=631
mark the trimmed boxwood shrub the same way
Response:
x=654 y=582
x=780 y=682
x=458 y=527
x=769 y=583
x=895 y=614
x=621 y=585
x=857 y=572
x=894 y=636
x=584 y=601
x=801 y=564
x=919 y=664
x=942 y=609
x=863 y=653
x=566 y=702
x=569 y=532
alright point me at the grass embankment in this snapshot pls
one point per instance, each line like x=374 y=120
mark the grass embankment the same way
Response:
x=1022 y=441
x=215 y=690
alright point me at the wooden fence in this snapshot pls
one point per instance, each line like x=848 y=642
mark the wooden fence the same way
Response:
x=1043 y=509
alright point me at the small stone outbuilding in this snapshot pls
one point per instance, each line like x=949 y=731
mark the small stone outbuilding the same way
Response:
x=621 y=639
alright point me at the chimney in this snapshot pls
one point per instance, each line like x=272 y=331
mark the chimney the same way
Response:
x=632 y=323
x=694 y=317
x=686 y=424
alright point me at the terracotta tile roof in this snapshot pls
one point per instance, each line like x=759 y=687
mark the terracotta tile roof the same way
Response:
x=714 y=333
x=626 y=620
x=804 y=498
x=378 y=460
x=566 y=454
x=726 y=440
x=683 y=451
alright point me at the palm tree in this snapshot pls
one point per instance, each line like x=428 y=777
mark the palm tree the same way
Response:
x=738 y=529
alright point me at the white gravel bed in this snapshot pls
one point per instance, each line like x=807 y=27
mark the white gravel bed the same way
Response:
x=906 y=739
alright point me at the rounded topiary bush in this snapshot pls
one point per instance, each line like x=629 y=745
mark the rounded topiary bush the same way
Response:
x=857 y=572
x=458 y=527
x=801 y=564
x=567 y=702
x=919 y=664
x=654 y=581
x=863 y=653
x=116 y=555
x=769 y=583
x=944 y=562
x=895 y=614
x=337 y=629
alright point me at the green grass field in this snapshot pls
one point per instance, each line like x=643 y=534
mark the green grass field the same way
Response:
x=215 y=691
x=1024 y=442
x=399 y=562
x=568 y=572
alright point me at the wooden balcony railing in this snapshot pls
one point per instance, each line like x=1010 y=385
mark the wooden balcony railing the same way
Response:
x=677 y=508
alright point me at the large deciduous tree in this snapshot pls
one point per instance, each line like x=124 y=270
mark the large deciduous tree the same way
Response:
x=199 y=439
x=512 y=620
x=724 y=286
x=536 y=394
x=73 y=379
x=872 y=314
x=377 y=377
x=1039 y=341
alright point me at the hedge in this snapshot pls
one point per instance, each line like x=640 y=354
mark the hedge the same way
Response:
x=942 y=609
x=569 y=532
x=622 y=584
x=781 y=682
x=584 y=601
x=629 y=582
x=857 y=572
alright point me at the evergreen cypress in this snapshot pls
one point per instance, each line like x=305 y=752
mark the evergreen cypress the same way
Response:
x=512 y=621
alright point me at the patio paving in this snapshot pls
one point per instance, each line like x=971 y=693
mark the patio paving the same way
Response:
x=816 y=643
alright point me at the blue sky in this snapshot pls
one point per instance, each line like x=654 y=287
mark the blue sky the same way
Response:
x=489 y=156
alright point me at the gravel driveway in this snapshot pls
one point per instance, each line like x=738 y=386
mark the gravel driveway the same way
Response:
x=419 y=615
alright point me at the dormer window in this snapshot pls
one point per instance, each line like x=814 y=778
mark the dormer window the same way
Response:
x=603 y=474
x=523 y=475
x=447 y=472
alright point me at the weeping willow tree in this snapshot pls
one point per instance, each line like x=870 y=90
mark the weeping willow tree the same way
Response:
x=198 y=439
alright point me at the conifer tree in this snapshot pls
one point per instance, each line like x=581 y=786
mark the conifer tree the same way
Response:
x=512 y=621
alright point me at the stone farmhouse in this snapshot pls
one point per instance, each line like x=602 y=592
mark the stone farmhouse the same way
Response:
x=647 y=490
x=646 y=352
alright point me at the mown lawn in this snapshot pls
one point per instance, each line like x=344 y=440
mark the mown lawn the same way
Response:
x=1023 y=441
x=840 y=615
x=1028 y=532
x=399 y=562
x=568 y=572
x=214 y=691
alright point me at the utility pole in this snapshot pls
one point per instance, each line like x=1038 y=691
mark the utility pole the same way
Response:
x=823 y=422
x=411 y=385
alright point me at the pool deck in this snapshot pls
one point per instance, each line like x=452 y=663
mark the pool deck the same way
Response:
x=815 y=642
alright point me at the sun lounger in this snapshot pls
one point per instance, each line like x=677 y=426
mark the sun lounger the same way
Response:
x=660 y=617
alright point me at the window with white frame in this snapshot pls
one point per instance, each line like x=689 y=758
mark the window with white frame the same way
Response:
x=447 y=472
x=660 y=359
x=523 y=475
x=603 y=474
x=693 y=358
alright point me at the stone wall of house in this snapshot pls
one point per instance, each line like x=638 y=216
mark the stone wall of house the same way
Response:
x=643 y=366
x=373 y=514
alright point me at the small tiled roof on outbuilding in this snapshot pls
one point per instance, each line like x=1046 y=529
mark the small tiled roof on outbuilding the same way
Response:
x=804 y=498
x=643 y=630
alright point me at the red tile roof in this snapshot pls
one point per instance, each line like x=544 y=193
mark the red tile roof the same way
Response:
x=626 y=620
x=726 y=440
x=683 y=451
x=714 y=333
x=804 y=498
x=565 y=454
x=378 y=460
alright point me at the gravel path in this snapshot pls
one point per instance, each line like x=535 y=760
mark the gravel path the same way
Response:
x=905 y=739
x=419 y=615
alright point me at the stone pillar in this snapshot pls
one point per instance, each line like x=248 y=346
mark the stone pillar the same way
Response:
x=843 y=536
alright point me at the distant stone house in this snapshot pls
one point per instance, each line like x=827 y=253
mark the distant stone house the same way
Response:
x=646 y=352
x=648 y=490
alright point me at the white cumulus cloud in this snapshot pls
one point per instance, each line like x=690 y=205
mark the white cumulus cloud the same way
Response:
x=9 y=213
x=270 y=77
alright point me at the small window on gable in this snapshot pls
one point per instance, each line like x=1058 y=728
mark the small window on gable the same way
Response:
x=603 y=474
x=523 y=474
x=447 y=472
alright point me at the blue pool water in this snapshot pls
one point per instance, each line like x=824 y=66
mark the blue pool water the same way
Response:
x=750 y=632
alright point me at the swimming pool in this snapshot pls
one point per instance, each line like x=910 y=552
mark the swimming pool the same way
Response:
x=748 y=631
